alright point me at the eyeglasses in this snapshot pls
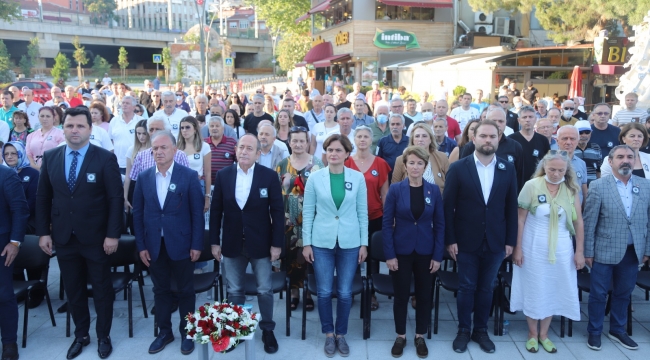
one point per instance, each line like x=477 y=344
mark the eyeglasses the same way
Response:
x=137 y=111
x=155 y=95
x=213 y=94
x=585 y=132
x=384 y=92
x=559 y=152
x=296 y=129
x=186 y=127
x=602 y=113
x=569 y=108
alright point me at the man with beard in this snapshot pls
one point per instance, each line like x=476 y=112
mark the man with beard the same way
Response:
x=616 y=243
x=482 y=190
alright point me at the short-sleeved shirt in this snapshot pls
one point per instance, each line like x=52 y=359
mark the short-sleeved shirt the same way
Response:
x=625 y=116
x=389 y=150
x=453 y=129
x=376 y=135
x=32 y=113
x=174 y=119
x=580 y=169
x=447 y=146
x=533 y=151
x=6 y=115
x=38 y=143
x=322 y=133
x=312 y=118
x=529 y=94
x=251 y=122
x=375 y=177
x=123 y=136
x=223 y=154
x=606 y=139
x=464 y=116
x=99 y=137
x=593 y=159
x=196 y=160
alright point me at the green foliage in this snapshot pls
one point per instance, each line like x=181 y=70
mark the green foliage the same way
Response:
x=102 y=10
x=79 y=56
x=180 y=71
x=559 y=75
x=25 y=66
x=122 y=61
x=6 y=75
x=61 y=68
x=459 y=90
x=281 y=15
x=100 y=66
x=9 y=9
x=33 y=51
x=291 y=50
x=167 y=62
x=216 y=56
x=192 y=38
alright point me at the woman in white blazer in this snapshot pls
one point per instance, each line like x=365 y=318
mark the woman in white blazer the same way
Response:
x=335 y=236
x=635 y=136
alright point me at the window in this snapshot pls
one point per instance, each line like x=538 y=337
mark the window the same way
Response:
x=232 y=25
x=243 y=24
x=339 y=12
x=404 y=13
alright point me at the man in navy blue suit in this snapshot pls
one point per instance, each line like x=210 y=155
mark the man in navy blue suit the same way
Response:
x=248 y=198
x=14 y=213
x=480 y=202
x=169 y=225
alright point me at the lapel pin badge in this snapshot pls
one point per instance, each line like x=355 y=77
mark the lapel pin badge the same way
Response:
x=91 y=178
x=427 y=200
x=348 y=186
x=227 y=155
x=172 y=187
x=374 y=173
x=635 y=189
x=541 y=199
x=264 y=193
x=501 y=166
x=26 y=179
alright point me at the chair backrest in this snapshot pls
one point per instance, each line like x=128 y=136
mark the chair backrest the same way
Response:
x=377 y=247
x=126 y=253
x=30 y=256
x=206 y=253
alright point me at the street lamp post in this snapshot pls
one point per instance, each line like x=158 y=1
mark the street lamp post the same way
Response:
x=273 y=40
x=201 y=15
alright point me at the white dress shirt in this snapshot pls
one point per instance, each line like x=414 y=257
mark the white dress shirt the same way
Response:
x=243 y=185
x=485 y=175
x=162 y=186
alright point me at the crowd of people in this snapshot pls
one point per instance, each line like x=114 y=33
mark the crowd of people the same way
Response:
x=307 y=180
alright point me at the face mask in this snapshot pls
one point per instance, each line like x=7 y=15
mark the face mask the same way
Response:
x=568 y=114
x=382 y=118
x=518 y=104
x=427 y=116
x=87 y=103
x=554 y=183
x=149 y=90
x=179 y=98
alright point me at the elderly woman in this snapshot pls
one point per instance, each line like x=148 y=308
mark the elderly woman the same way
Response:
x=221 y=146
x=335 y=201
x=466 y=137
x=140 y=110
x=544 y=281
x=21 y=127
x=323 y=130
x=635 y=136
x=100 y=115
x=46 y=138
x=413 y=251
x=375 y=171
x=15 y=157
x=438 y=163
x=294 y=172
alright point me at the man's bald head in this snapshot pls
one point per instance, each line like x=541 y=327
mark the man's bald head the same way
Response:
x=497 y=115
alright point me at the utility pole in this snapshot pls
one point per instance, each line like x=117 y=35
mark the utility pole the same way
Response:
x=200 y=10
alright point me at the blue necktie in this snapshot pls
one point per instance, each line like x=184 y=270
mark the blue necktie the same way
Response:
x=72 y=176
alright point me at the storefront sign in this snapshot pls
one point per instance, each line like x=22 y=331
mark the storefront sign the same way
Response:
x=390 y=39
x=316 y=41
x=342 y=38
x=612 y=51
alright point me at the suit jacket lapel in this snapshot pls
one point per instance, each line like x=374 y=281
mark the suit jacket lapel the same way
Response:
x=326 y=182
x=635 y=196
x=614 y=193
x=498 y=175
x=174 y=180
x=59 y=158
x=471 y=167
x=406 y=196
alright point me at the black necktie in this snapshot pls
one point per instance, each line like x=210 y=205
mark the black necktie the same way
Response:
x=72 y=176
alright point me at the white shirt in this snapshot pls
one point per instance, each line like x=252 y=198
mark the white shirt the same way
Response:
x=99 y=137
x=32 y=113
x=174 y=119
x=123 y=136
x=313 y=93
x=322 y=133
x=486 y=175
x=311 y=120
x=464 y=116
x=196 y=160
x=4 y=130
x=440 y=93
x=106 y=81
x=162 y=187
x=243 y=185
x=354 y=146
x=51 y=103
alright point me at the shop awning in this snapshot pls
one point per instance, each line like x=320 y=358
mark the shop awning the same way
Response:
x=316 y=9
x=420 y=3
x=332 y=59
x=319 y=52
x=609 y=69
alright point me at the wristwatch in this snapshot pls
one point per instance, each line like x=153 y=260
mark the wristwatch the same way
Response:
x=15 y=243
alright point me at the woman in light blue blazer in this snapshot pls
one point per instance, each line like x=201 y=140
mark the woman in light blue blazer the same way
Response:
x=335 y=236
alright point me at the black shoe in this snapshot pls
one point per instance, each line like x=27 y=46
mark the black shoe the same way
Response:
x=63 y=308
x=104 y=348
x=461 y=341
x=398 y=347
x=483 y=339
x=421 y=348
x=161 y=341
x=624 y=340
x=35 y=300
x=270 y=344
x=77 y=346
x=594 y=342
x=234 y=347
x=187 y=346
x=10 y=351
x=174 y=308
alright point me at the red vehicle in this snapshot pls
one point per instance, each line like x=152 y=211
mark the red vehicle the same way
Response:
x=41 y=89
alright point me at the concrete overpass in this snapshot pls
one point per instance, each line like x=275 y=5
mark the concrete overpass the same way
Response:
x=52 y=34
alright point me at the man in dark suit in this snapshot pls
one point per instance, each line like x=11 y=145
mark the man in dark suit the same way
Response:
x=480 y=190
x=248 y=199
x=80 y=181
x=14 y=213
x=170 y=236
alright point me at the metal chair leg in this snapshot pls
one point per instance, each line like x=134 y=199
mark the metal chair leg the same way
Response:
x=287 y=289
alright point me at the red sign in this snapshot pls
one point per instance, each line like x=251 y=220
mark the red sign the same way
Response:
x=200 y=2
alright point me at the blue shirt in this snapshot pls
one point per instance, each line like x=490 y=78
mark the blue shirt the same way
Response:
x=580 y=167
x=365 y=120
x=80 y=159
x=448 y=145
x=625 y=191
x=389 y=150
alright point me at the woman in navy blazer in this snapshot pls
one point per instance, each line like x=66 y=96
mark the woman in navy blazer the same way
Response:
x=413 y=238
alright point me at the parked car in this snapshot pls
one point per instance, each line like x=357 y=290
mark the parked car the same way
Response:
x=41 y=89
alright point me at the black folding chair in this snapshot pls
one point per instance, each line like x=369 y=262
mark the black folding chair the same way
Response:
x=31 y=257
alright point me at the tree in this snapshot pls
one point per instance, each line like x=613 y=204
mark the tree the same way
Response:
x=282 y=14
x=122 y=61
x=61 y=68
x=6 y=75
x=102 y=10
x=79 y=56
x=180 y=71
x=166 y=62
x=25 y=66
x=291 y=50
x=9 y=9
x=100 y=66
x=34 y=51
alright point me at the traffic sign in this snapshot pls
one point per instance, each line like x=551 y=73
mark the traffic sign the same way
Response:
x=229 y=62
x=157 y=58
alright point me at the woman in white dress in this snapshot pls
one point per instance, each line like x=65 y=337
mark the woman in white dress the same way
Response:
x=323 y=130
x=544 y=281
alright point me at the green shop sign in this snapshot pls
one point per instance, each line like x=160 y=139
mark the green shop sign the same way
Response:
x=390 y=39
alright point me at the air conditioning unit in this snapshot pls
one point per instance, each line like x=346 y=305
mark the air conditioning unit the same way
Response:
x=483 y=18
x=502 y=26
x=483 y=29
